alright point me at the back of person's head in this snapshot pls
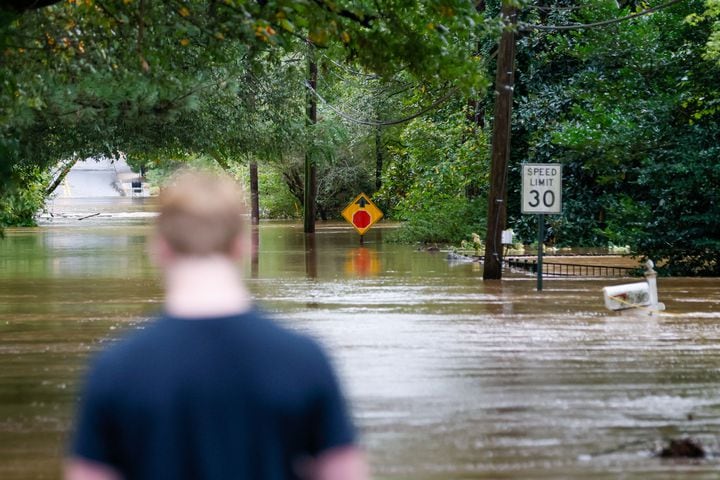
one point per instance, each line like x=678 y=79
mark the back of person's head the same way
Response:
x=201 y=213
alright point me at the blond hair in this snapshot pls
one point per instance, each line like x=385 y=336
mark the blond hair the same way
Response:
x=201 y=213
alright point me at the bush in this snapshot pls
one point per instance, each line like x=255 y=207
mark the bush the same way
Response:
x=22 y=199
x=437 y=180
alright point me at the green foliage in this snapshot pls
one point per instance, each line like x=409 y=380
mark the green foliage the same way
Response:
x=224 y=79
x=23 y=197
x=343 y=151
x=679 y=205
x=631 y=110
x=712 y=13
x=276 y=200
x=437 y=180
x=162 y=168
x=445 y=219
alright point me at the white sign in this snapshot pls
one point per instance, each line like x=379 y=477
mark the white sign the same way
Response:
x=541 y=188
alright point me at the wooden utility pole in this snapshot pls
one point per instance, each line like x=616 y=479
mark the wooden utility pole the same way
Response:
x=497 y=199
x=310 y=193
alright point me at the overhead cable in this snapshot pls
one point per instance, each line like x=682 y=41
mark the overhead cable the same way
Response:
x=370 y=76
x=578 y=26
x=382 y=123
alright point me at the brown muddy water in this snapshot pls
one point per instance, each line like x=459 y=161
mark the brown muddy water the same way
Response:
x=450 y=377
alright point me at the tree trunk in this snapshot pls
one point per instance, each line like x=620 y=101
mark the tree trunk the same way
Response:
x=254 y=194
x=255 y=253
x=61 y=176
x=309 y=207
x=497 y=199
x=294 y=181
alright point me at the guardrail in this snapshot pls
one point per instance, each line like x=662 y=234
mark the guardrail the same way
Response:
x=554 y=269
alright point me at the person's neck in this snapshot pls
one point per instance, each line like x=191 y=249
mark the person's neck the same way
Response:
x=198 y=287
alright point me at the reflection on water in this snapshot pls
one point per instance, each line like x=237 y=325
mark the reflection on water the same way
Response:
x=450 y=377
x=362 y=262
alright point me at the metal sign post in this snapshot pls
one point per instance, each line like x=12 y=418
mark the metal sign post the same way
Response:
x=541 y=195
x=541 y=241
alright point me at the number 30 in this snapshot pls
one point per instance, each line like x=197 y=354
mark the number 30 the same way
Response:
x=548 y=198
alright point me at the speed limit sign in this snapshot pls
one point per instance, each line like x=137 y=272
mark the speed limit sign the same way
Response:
x=541 y=188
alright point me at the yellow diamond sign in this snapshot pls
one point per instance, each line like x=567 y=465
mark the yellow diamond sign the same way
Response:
x=362 y=213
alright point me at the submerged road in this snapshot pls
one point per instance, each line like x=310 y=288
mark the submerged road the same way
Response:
x=100 y=178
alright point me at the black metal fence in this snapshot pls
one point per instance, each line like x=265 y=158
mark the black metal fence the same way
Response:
x=554 y=269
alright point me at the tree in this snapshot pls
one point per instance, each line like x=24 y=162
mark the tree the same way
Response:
x=90 y=78
x=433 y=163
x=630 y=109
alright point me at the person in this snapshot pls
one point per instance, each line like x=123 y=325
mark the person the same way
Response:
x=212 y=388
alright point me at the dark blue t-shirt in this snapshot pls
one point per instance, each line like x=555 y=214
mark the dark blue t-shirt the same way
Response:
x=216 y=398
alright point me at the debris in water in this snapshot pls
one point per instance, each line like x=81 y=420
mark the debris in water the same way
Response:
x=454 y=257
x=682 y=448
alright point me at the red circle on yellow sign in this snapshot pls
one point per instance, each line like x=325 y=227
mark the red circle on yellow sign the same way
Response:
x=361 y=219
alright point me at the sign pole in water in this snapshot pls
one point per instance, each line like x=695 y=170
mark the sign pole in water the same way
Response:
x=541 y=195
x=541 y=240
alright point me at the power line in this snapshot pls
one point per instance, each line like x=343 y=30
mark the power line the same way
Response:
x=370 y=76
x=349 y=110
x=578 y=26
x=554 y=8
x=382 y=123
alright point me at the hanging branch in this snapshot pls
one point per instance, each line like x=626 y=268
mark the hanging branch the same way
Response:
x=63 y=172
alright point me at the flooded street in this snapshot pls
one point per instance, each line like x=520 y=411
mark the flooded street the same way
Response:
x=450 y=377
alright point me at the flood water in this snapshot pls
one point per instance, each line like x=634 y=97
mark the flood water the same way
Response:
x=449 y=377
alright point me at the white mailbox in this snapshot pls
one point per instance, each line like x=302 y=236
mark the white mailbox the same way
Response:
x=640 y=297
x=629 y=295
